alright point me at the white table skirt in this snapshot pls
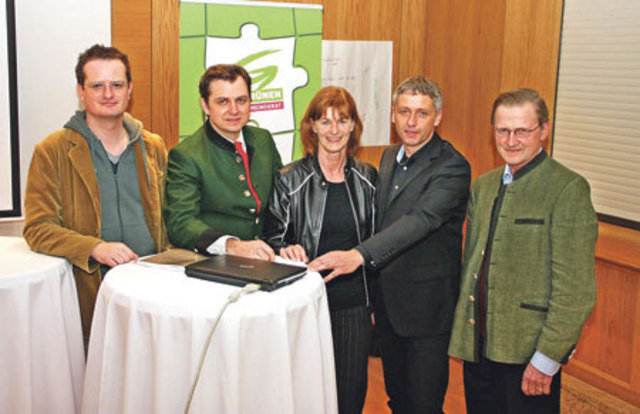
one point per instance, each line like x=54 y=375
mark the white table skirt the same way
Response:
x=41 y=351
x=271 y=352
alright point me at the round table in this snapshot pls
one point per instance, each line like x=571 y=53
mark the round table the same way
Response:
x=271 y=352
x=41 y=350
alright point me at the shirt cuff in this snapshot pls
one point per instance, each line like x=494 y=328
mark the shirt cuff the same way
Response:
x=544 y=364
x=220 y=245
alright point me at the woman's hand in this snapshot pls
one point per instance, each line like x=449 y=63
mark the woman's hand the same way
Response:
x=294 y=252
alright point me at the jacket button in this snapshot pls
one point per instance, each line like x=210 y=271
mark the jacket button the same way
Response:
x=252 y=211
x=239 y=160
x=241 y=177
x=257 y=220
x=472 y=321
x=475 y=276
x=247 y=193
x=472 y=298
x=482 y=253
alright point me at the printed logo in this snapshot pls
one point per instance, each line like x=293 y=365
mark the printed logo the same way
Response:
x=273 y=77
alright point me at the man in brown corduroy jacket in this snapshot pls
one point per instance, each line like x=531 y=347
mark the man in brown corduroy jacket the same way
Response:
x=95 y=187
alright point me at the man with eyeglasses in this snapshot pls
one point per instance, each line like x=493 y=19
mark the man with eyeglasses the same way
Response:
x=528 y=282
x=95 y=187
x=219 y=178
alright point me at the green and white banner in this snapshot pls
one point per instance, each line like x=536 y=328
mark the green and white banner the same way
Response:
x=280 y=45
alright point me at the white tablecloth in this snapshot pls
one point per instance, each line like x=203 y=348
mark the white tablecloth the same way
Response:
x=41 y=351
x=271 y=352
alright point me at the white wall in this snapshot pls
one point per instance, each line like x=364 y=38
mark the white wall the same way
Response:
x=49 y=37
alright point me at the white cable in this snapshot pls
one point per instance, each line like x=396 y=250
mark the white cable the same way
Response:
x=233 y=297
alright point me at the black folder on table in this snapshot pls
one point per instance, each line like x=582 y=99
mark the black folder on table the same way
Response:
x=239 y=271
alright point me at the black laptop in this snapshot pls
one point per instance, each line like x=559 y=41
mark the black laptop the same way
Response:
x=239 y=271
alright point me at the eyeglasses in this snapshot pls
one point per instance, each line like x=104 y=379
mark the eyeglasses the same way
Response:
x=518 y=132
x=99 y=87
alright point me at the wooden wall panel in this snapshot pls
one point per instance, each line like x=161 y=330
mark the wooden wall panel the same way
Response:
x=613 y=316
x=608 y=354
x=475 y=50
x=147 y=31
x=165 y=32
x=412 y=47
x=464 y=55
x=371 y=155
x=530 y=57
x=131 y=32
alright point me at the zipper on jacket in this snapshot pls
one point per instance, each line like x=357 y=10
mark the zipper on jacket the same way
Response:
x=324 y=186
x=357 y=223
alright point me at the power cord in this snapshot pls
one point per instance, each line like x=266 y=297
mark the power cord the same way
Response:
x=233 y=297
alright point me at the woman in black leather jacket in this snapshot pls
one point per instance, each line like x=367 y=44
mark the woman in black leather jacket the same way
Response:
x=325 y=202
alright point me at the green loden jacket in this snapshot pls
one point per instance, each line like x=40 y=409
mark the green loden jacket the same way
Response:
x=207 y=190
x=540 y=281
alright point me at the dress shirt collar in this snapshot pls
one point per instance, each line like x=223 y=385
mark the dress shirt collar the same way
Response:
x=426 y=148
x=223 y=141
x=508 y=177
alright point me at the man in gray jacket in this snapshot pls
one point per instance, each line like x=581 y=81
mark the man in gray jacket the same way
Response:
x=528 y=281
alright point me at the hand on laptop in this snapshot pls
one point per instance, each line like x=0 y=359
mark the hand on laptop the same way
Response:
x=294 y=252
x=256 y=249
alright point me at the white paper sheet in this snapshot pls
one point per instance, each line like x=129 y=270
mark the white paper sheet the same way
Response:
x=363 y=68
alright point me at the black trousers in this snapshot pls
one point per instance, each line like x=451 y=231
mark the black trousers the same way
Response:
x=495 y=388
x=351 y=329
x=416 y=370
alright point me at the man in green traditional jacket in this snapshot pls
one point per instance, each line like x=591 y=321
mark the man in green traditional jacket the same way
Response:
x=528 y=281
x=219 y=178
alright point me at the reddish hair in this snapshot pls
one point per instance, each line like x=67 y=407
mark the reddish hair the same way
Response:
x=343 y=103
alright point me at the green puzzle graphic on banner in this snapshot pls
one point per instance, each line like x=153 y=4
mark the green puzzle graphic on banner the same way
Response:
x=279 y=45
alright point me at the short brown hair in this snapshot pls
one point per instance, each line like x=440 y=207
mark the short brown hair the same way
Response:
x=521 y=96
x=225 y=72
x=343 y=103
x=420 y=85
x=100 y=52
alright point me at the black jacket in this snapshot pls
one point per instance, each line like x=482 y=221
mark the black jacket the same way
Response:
x=297 y=204
x=418 y=246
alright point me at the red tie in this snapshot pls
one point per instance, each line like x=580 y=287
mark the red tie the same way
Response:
x=245 y=160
